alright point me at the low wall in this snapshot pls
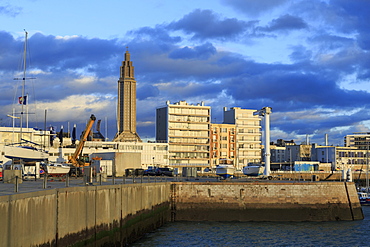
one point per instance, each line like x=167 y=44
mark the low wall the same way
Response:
x=265 y=201
x=121 y=214
x=83 y=215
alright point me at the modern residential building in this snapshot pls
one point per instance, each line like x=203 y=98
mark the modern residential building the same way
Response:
x=126 y=105
x=185 y=127
x=222 y=144
x=278 y=154
x=358 y=139
x=248 y=135
x=298 y=152
x=340 y=157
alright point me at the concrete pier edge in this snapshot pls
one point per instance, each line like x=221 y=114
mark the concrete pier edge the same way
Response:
x=123 y=213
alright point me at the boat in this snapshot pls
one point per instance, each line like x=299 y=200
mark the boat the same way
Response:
x=364 y=194
x=364 y=198
x=225 y=171
x=60 y=167
x=253 y=170
x=56 y=169
x=24 y=150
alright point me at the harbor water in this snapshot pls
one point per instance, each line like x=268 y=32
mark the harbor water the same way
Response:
x=338 y=233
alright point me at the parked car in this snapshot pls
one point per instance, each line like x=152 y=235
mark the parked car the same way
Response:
x=150 y=172
x=164 y=171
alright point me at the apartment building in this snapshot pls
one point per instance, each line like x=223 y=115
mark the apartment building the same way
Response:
x=185 y=127
x=361 y=140
x=222 y=144
x=277 y=154
x=340 y=157
x=248 y=134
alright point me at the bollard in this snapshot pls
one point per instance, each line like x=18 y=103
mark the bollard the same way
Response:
x=124 y=179
x=44 y=184
x=16 y=184
x=67 y=180
x=133 y=178
x=141 y=179
x=100 y=180
x=113 y=179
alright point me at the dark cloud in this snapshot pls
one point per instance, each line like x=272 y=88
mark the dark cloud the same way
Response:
x=305 y=90
x=146 y=91
x=201 y=52
x=51 y=53
x=285 y=23
x=253 y=8
x=205 y=24
x=159 y=34
x=300 y=54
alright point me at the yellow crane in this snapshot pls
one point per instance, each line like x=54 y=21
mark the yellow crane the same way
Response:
x=74 y=158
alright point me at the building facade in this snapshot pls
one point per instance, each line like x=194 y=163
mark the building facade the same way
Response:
x=277 y=154
x=126 y=105
x=361 y=140
x=248 y=135
x=222 y=144
x=185 y=127
x=341 y=157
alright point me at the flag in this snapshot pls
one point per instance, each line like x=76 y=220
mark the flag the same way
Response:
x=22 y=100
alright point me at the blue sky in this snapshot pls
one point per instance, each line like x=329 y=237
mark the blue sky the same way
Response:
x=308 y=60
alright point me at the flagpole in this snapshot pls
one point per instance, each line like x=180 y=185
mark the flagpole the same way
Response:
x=25 y=101
x=106 y=129
x=13 y=119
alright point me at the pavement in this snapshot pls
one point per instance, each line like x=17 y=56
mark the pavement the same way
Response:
x=31 y=184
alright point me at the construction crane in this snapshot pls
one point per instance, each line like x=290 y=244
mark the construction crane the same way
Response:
x=77 y=163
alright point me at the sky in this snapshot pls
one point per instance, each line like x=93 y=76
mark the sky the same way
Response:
x=307 y=60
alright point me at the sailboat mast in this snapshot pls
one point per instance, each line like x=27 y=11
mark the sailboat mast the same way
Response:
x=23 y=83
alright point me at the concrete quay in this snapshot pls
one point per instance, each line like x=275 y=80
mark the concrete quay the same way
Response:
x=121 y=213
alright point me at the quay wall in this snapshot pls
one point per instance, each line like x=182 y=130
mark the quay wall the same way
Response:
x=83 y=216
x=266 y=201
x=121 y=214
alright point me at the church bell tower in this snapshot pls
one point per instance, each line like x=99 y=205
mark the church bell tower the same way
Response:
x=126 y=105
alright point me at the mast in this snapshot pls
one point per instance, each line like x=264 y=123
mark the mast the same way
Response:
x=23 y=82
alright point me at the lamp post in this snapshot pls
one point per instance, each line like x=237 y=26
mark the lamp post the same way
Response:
x=265 y=112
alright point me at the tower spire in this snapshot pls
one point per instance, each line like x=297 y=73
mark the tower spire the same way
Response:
x=126 y=106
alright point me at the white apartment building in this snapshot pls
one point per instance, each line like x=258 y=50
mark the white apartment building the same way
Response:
x=185 y=127
x=340 y=157
x=248 y=135
x=358 y=139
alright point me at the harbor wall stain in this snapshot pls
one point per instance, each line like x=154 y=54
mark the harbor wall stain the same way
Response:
x=121 y=214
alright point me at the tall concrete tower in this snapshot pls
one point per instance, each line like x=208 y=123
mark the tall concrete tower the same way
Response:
x=126 y=107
